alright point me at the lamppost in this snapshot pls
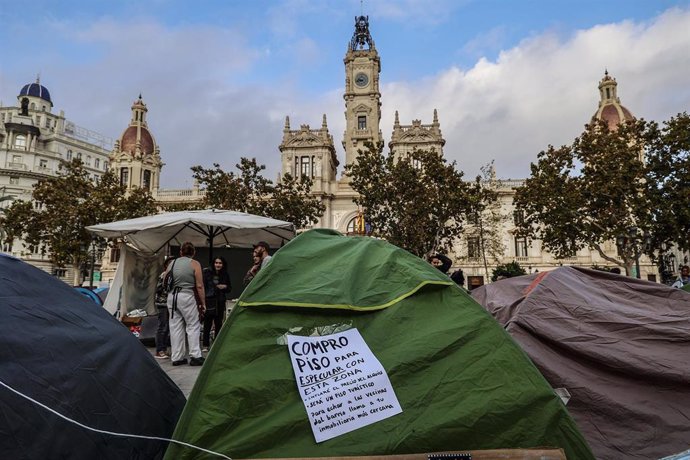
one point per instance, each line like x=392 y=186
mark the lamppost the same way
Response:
x=635 y=242
x=93 y=252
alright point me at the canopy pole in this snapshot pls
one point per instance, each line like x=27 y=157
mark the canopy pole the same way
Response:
x=210 y=247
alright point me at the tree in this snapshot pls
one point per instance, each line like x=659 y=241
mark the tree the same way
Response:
x=65 y=205
x=248 y=191
x=182 y=206
x=590 y=192
x=508 y=270
x=487 y=220
x=418 y=202
x=668 y=160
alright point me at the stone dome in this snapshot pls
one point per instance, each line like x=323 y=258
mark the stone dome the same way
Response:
x=614 y=115
x=36 y=90
x=128 y=140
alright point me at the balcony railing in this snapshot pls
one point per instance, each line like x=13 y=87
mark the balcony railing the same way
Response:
x=18 y=166
x=188 y=194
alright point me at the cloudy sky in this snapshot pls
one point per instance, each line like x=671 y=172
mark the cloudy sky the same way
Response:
x=508 y=78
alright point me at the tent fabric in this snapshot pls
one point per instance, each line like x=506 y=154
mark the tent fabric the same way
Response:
x=620 y=347
x=373 y=285
x=63 y=351
x=228 y=228
x=461 y=381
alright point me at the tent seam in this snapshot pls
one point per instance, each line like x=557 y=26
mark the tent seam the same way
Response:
x=242 y=303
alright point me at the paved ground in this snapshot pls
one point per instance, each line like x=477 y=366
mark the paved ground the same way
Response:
x=184 y=376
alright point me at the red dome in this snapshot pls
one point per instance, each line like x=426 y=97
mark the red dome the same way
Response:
x=611 y=115
x=128 y=141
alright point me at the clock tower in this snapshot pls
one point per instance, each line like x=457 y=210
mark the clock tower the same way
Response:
x=362 y=95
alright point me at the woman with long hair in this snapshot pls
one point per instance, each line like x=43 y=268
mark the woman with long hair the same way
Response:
x=216 y=285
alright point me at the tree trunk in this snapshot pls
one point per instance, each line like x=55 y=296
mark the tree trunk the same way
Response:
x=76 y=275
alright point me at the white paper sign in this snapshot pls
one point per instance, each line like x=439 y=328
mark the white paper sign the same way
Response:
x=342 y=384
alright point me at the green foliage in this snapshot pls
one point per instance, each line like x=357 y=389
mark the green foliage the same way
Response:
x=508 y=270
x=183 y=206
x=65 y=205
x=419 y=202
x=588 y=193
x=248 y=191
x=668 y=161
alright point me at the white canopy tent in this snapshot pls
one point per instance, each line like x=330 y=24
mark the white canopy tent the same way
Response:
x=145 y=240
x=209 y=227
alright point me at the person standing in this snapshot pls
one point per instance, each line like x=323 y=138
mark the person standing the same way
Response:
x=187 y=293
x=261 y=250
x=161 y=301
x=216 y=285
x=253 y=270
x=442 y=262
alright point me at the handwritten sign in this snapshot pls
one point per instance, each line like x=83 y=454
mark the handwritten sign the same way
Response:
x=342 y=384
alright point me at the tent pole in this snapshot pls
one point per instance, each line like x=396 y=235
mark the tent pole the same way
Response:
x=210 y=247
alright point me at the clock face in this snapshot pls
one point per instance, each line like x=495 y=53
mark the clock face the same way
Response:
x=361 y=80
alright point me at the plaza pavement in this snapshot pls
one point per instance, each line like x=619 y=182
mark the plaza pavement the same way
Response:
x=184 y=376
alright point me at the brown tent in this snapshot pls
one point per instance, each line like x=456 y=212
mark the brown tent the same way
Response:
x=620 y=347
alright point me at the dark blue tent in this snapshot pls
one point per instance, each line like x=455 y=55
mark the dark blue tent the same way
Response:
x=58 y=349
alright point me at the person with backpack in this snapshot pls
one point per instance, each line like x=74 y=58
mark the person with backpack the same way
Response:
x=161 y=301
x=216 y=285
x=186 y=302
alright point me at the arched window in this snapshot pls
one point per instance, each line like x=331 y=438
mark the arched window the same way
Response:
x=33 y=106
x=521 y=247
x=69 y=155
x=147 y=180
x=124 y=177
x=20 y=141
x=357 y=225
x=304 y=166
x=351 y=225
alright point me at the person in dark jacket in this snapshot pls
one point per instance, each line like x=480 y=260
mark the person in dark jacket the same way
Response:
x=216 y=286
x=441 y=262
x=161 y=301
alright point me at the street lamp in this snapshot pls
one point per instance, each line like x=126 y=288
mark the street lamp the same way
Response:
x=93 y=252
x=635 y=242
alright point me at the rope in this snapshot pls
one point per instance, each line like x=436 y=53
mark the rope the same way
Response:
x=123 y=435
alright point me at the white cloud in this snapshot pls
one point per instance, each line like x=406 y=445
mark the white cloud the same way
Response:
x=545 y=89
x=206 y=105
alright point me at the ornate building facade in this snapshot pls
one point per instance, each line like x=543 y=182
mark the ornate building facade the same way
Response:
x=33 y=143
x=312 y=152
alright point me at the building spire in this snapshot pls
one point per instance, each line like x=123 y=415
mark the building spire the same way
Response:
x=287 y=123
x=435 y=117
x=397 y=119
x=608 y=89
x=324 y=124
x=361 y=37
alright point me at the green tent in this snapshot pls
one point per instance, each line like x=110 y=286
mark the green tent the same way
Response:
x=461 y=381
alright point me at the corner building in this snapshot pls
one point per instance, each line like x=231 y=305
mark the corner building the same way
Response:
x=33 y=143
